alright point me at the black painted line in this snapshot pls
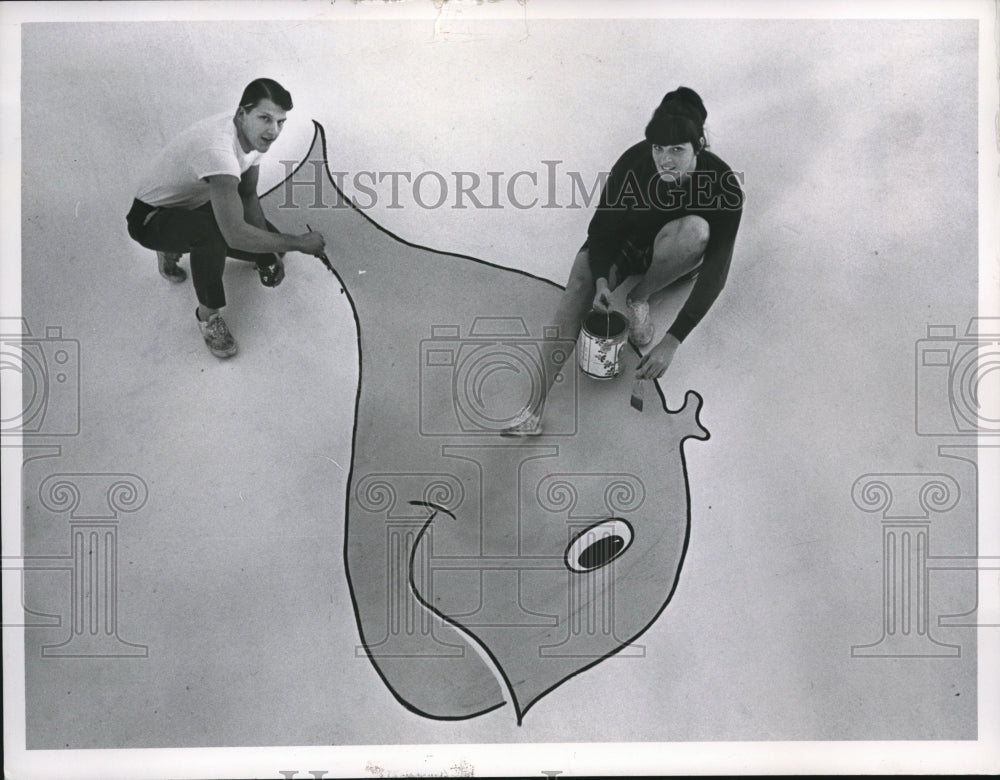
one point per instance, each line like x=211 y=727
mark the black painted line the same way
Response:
x=670 y=595
x=458 y=626
x=320 y=133
x=431 y=505
x=347 y=497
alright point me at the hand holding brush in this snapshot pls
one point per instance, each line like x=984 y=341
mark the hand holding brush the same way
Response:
x=322 y=253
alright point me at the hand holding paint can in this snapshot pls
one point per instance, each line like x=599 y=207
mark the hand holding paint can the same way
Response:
x=599 y=346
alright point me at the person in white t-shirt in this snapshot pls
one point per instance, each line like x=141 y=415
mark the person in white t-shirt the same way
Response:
x=199 y=196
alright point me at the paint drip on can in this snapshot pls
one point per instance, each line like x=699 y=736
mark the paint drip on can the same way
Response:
x=602 y=336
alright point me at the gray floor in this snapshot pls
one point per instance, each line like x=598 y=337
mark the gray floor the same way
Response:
x=860 y=231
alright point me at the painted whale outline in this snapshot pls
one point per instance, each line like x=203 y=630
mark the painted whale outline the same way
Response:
x=520 y=710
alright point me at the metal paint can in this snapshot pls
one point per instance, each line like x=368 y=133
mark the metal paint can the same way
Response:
x=598 y=349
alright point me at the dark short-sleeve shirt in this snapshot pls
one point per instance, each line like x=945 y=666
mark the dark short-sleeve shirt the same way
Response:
x=635 y=204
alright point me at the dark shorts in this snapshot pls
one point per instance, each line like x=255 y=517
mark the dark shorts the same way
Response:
x=180 y=231
x=634 y=258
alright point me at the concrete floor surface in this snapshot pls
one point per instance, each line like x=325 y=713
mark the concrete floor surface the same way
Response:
x=858 y=142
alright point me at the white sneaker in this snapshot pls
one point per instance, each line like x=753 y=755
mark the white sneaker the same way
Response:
x=217 y=337
x=640 y=323
x=527 y=423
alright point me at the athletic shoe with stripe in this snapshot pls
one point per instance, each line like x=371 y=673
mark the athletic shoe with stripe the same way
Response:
x=217 y=336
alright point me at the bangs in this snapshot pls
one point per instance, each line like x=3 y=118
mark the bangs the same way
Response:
x=670 y=129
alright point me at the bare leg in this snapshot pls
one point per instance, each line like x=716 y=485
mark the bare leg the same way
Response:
x=677 y=250
x=577 y=298
x=575 y=302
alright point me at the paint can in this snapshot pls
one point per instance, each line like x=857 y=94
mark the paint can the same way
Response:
x=602 y=336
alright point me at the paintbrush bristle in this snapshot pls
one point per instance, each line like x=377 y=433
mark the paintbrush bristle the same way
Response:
x=637 y=388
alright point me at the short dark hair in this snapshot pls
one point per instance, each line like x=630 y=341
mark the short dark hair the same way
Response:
x=680 y=118
x=269 y=89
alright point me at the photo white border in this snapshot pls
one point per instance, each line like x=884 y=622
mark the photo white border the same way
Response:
x=981 y=756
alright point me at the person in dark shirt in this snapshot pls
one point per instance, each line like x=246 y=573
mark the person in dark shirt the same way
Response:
x=669 y=211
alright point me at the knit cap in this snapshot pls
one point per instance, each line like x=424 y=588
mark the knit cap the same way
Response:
x=683 y=101
x=680 y=113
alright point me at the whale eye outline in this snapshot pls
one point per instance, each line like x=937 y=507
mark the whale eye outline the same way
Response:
x=598 y=545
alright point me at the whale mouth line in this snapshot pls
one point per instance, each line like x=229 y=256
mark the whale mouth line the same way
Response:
x=435 y=507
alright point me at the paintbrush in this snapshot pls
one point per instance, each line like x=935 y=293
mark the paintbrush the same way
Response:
x=323 y=257
x=637 y=390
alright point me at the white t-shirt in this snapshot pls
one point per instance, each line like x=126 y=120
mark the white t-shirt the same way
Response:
x=208 y=148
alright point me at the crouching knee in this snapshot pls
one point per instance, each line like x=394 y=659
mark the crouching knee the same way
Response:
x=694 y=233
x=690 y=232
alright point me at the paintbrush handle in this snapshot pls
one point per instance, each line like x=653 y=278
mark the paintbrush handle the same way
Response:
x=323 y=258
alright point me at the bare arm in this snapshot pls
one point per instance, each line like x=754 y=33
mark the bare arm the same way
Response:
x=228 y=206
x=252 y=212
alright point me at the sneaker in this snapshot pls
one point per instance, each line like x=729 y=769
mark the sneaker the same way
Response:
x=269 y=274
x=220 y=341
x=640 y=323
x=527 y=423
x=169 y=270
